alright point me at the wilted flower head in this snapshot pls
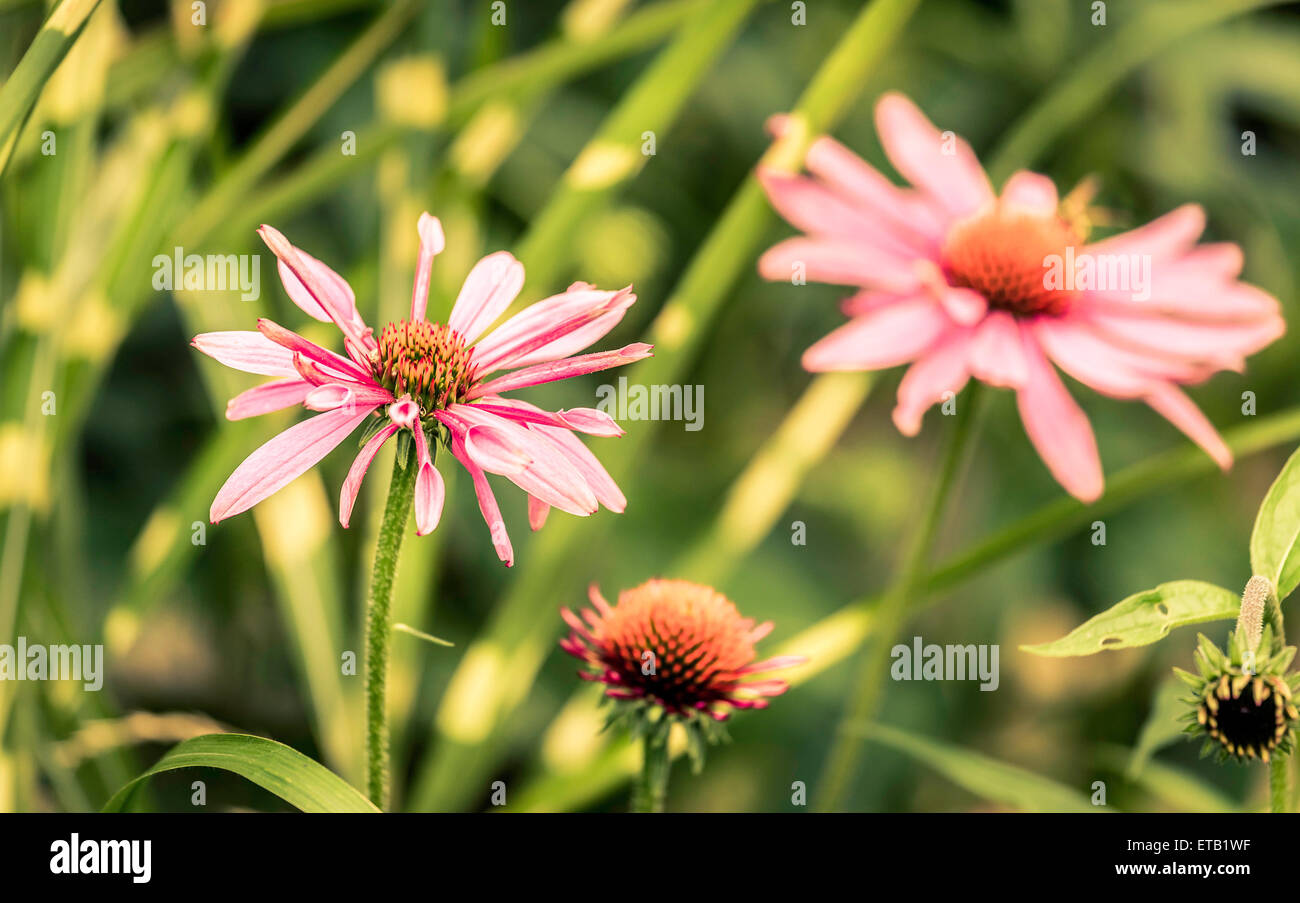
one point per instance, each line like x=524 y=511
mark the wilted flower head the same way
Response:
x=430 y=379
x=675 y=645
x=1241 y=700
x=960 y=282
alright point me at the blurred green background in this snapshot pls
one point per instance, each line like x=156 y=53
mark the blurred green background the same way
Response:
x=174 y=134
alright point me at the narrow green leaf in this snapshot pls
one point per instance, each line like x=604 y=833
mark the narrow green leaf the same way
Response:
x=1274 y=541
x=24 y=86
x=1144 y=618
x=986 y=778
x=294 y=778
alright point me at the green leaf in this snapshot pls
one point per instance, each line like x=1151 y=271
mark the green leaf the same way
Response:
x=294 y=778
x=1274 y=541
x=986 y=778
x=1144 y=618
x=1163 y=726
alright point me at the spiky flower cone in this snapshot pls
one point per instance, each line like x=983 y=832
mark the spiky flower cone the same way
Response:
x=1241 y=700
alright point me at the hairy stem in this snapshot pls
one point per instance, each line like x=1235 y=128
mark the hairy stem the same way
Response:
x=379 y=621
x=652 y=786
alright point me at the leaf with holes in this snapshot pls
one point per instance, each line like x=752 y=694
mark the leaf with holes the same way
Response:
x=1275 y=541
x=1144 y=618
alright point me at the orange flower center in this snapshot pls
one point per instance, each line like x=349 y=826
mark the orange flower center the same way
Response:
x=428 y=360
x=1006 y=256
x=680 y=642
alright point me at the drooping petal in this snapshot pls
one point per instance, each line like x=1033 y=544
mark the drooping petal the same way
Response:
x=432 y=242
x=942 y=164
x=492 y=450
x=310 y=350
x=487 y=504
x=537 y=512
x=251 y=352
x=563 y=369
x=997 y=356
x=1058 y=428
x=1178 y=409
x=937 y=373
x=273 y=396
x=281 y=460
x=430 y=491
x=886 y=337
x=489 y=289
x=329 y=396
x=357 y=472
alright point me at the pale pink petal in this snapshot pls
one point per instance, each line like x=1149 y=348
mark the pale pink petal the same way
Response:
x=273 y=396
x=886 y=337
x=584 y=420
x=1179 y=410
x=251 y=352
x=1221 y=343
x=329 y=292
x=487 y=504
x=404 y=413
x=323 y=356
x=430 y=491
x=939 y=374
x=432 y=242
x=537 y=512
x=997 y=356
x=965 y=306
x=917 y=150
x=281 y=460
x=329 y=396
x=357 y=472
x=868 y=300
x=817 y=210
x=552 y=328
x=775 y=663
x=563 y=369
x=493 y=450
x=1168 y=236
x=1058 y=428
x=489 y=289
x=1030 y=192
x=1089 y=359
x=839 y=262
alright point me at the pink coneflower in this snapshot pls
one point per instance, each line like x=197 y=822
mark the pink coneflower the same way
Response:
x=675 y=644
x=960 y=282
x=431 y=379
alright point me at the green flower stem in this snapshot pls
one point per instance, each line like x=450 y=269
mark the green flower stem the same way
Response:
x=1277 y=789
x=379 y=620
x=865 y=700
x=652 y=785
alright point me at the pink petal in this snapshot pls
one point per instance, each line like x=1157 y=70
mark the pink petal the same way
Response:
x=997 y=356
x=318 y=287
x=1168 y=236
x=584 y=420
x=1030 y=192
x=489 y=289
x=883 y=338
x=273 y=396
x=492 y=450
x=537 y=511
x=563 y=369
x=357 y=472
x=323 y=356
x=432 y=241
x=940 y=371
x=916 y=148
x=281 y=460
x=820 y=212
x=1089 y=359
x=251 y=352
x=487 y=504
x=553 y=327
x=430 y=491
x=1224 y=344
x=1058 y=428
x=1179 y=410
x=329 y=396
x=838 y=261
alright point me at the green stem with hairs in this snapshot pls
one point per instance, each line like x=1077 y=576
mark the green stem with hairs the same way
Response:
x=652 y=785
x=379 y=617
x=846 y=747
